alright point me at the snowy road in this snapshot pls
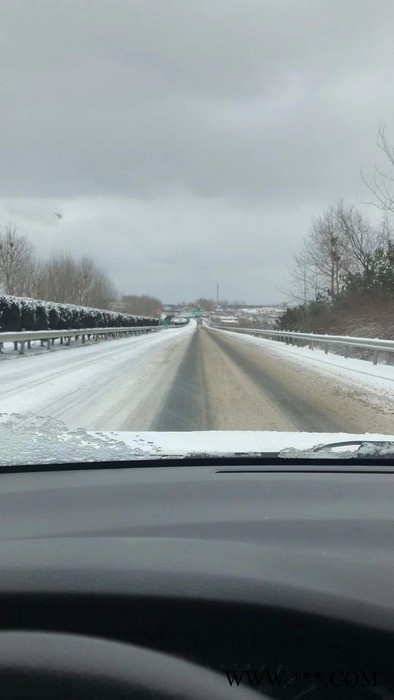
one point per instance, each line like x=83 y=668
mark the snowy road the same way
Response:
x=199 y=379
x=115 y=385
x=230 y=381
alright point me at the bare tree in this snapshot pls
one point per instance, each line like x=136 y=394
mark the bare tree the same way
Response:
x=339 y=245
x=143 y=305
x=38 y=286
x=28 y=282
x=360 y=239
x=382 y=183
x=64 y=279
x=16 y=260
x=102 y=293
x=85 y=274
x=58 y=279
x=303 y=283
x=326 y=252
x=318 y=268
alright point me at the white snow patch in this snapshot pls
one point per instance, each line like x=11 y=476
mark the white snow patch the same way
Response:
x=218 y=442
x=33 y=440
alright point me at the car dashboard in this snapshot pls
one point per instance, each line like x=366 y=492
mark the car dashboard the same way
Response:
x=278 y=579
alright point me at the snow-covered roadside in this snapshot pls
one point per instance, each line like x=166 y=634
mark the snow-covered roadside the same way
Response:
x=374 y=382
x=8 y=353
x=95 y=386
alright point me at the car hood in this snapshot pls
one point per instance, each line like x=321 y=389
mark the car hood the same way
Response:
x=33 y=440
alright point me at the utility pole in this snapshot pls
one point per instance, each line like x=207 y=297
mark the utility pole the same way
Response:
x=217 y=295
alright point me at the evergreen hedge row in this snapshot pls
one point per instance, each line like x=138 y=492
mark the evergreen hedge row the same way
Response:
x=17 y=313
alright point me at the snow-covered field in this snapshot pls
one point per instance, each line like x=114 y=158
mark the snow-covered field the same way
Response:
x=375 y=381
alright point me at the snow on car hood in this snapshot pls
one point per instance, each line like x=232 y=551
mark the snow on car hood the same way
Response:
x=32 y=440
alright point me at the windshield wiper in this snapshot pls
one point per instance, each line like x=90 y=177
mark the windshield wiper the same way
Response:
x=366 y=448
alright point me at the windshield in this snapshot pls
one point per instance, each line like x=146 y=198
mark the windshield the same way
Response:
x=196 y=227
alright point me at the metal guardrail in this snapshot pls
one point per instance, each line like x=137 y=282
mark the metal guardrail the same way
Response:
x=312 y=339
x=23 y=338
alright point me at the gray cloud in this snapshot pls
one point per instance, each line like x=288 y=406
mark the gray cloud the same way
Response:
x=258 y=112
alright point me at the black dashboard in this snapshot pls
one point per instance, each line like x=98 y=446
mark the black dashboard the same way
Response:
x=277 y=579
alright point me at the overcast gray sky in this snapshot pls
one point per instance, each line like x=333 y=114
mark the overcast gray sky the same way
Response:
x=189 y=142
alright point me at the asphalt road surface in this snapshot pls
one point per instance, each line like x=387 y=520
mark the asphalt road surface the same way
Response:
x=187 y=379
x=225 y=384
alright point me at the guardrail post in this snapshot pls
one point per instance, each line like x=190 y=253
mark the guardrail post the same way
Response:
x=69 y=340
x=48 y=344
x=29 y=344
x=84 y=339
x=15 y=345
x=326 y=348
x=375 y=356
x=22 y=348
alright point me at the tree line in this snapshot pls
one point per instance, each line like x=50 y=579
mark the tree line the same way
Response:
x=62 y=278
x=346 y=261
